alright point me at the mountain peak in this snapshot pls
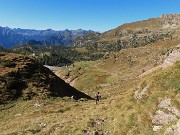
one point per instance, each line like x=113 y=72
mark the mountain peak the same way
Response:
x=170 y=16
x=49 y=29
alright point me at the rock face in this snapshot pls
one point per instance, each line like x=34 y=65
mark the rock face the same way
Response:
x=24 y=77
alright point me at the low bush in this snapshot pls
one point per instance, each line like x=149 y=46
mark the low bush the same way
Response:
x=7 y=63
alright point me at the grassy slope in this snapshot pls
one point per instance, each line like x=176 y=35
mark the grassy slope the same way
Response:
x=118 y=112
x=118 y=68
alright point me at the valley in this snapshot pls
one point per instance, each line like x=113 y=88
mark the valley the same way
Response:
x=137 y=75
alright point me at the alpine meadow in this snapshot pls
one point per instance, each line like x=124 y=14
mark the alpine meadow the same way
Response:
x=113 y=70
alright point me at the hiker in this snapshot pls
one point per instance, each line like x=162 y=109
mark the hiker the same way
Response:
x=97 y=97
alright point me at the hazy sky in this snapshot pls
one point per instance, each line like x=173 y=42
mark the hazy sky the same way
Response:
x=99 y=15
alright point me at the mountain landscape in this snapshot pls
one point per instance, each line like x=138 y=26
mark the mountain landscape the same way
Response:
x=135 y=67
x=11 y=37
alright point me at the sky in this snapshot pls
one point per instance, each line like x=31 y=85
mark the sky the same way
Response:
x=98 y=15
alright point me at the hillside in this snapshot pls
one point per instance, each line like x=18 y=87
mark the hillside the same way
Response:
x=86 y=39
x=118 y=66
x=23 y=77
x=130 y=103
x=140 y=89
x=135 y=34
x=56 y=55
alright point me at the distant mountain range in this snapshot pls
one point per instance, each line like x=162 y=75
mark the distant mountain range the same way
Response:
x=10 y=37
x=128 y=35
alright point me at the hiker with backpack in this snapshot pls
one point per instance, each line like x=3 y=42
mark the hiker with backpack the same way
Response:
x=97 y=97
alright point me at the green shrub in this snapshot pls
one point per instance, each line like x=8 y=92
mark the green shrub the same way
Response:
x=28 y=94
x=177 y=87
x=6 y=63
x=2 y=54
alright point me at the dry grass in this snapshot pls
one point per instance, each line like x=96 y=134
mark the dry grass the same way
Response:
x=117 y=113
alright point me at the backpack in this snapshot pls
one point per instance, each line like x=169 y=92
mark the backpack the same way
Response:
x=97 y=96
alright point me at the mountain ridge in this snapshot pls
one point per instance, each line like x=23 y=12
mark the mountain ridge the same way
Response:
x=135 y=34
x=51 y=37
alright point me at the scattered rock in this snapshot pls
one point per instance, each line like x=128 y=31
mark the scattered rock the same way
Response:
x=156 y=128
x=42 y=125
x=139 y=94
x=39 y=104
x=18 y=114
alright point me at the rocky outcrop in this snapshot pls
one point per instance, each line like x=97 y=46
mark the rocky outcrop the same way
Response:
x=170 y=19
x=170 y=58
x=162 y=118
x=166 y=104
x=173 y=56
x=166 y=114
x=140 y=92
